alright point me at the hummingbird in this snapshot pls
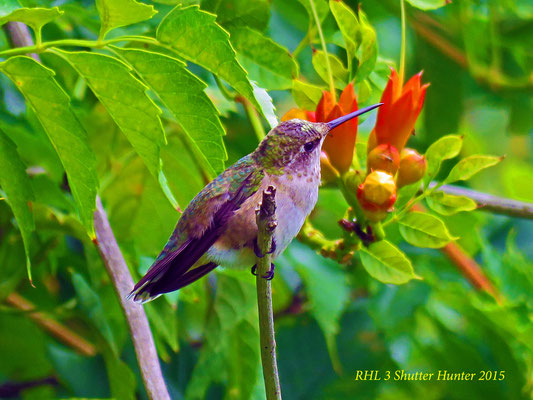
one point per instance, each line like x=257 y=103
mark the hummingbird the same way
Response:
x=219 y=227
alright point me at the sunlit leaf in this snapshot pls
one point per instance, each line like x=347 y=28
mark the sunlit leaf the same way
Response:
x=34 y=17
x=428 y=4
x=116 y=13
x=424 y=230
x=52 y=107
x=276 y=67
x=306 y=95
x=269 y=110
x=469 y=166
x=348 y=24
x=196 y=36
x=388 y=264
x=339 y=72
x=16 y=185
x=252 y=13
x=443 y=149
x=449 y=204
x=368 y=51
x=183 y=94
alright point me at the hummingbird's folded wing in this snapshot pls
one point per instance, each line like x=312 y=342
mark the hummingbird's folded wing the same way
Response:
x=169 y=272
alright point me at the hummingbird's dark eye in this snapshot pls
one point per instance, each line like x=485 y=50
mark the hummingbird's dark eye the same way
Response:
x=310 y=146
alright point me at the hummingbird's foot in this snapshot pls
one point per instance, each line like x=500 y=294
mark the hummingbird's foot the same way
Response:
x=269 y=275
x=258 y=252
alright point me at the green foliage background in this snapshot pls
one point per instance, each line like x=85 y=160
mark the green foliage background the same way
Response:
x=144 y=123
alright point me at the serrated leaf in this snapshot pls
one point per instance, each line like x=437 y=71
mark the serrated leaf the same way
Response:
x=34 y=17
x=469 y=166
x=348 y=25
x=276 y=67
x=428 y=4
x=183 y=94
x=124 y=97
x=252 y=13
x=424 y=230
x=306 y=95
x=449 y=204
x=16 y=185
x=443 y=149
x=117 y=13
x=368 y=51
x=196 y=36
x=267 y=105
x=52 y=107
x=386 y=263
x=339 y=72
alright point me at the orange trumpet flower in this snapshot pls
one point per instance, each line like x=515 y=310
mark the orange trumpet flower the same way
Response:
x=401 y=107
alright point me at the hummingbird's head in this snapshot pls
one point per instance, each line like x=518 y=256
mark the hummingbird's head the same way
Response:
x=296 y=144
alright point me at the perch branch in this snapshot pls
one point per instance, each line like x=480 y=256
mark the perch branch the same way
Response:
x=488 y=202
x=266 y=224
x=59 y=331
x=137 y=321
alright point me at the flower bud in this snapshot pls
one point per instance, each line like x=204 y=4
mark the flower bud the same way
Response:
x=412 y=167
x=384 y=157
x=328 y=172
x=377 y=194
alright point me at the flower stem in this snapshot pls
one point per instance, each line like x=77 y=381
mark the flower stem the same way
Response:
x=266 y=225
x=403 y=45
x=324 y=49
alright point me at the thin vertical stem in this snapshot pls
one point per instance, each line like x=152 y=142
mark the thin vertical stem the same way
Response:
x=404 y=42
x=323 y=43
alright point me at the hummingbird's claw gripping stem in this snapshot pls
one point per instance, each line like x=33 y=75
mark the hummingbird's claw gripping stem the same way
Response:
x=258 y=252
x=269 y=275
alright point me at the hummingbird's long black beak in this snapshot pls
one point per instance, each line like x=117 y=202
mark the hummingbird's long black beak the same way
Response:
x=347 y=117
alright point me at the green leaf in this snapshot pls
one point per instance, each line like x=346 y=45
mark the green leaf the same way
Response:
x=424 y=230
x=469 y=166
x=405 y=194
x=449 y=204
x=267 y=105
x=121 y=378
x=252 y=13
x=196 y=36
x=8 y=6
x=386 y=263
x=183 y=94
x=428 y=4
x=91 y=303
x=443 y=149
x=52 y=107
x=306 y=95
x=124 y=97
x=339 y=72
x=116 y=13
x=16 y=185
x=348 y=25
x=321 y=7
x=34 y=17
x=276 y=67
x=368 y=51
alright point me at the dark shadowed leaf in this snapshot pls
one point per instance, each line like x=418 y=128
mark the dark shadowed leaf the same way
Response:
x=252 y=13
x=16 y=185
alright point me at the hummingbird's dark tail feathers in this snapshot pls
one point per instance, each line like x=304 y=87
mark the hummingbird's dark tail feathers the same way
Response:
x=170 y=280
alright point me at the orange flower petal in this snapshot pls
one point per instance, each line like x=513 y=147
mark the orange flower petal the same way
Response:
x=295 y=113
x=324 y=107
x=400 y=123
x=340 y=142
x=347 y=99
